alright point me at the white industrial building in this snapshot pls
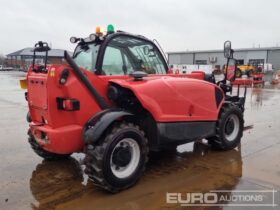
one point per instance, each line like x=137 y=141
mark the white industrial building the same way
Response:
x=216 y=57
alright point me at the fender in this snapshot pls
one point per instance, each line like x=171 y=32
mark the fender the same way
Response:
x=100 y=122
x=176 y=99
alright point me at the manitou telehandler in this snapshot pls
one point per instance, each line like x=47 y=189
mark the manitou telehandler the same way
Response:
x=115 y=101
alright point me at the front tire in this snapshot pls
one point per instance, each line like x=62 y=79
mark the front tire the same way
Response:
x=117 y=161
x=43 y=153
x=238 y=73
x=229 y=128
x=250 y=73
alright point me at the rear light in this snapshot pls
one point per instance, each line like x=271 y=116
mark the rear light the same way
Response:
x=67 y=104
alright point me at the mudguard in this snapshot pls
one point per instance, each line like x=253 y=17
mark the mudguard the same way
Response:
x=100 y=122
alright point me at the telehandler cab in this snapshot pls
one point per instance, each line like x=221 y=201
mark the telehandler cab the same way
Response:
x=115 y=101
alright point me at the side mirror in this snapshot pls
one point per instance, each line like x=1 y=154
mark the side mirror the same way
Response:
x=230 y=69
x=227 y=49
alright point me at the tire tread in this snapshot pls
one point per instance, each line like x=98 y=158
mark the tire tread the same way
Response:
x=95 y=156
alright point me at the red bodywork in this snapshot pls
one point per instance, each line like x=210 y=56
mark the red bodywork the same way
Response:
x=256 y=79
x=169 y=98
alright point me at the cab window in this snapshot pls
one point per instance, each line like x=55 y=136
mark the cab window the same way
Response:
x=115 y=62
x=86 y=55
x=125 y=54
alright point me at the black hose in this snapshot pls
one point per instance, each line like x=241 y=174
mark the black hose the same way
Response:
x=99 y=99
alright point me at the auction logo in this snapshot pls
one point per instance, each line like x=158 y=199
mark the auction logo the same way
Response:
x=224 y=198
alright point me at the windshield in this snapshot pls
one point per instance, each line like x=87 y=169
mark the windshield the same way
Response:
x=85 y=56
x=125 y=54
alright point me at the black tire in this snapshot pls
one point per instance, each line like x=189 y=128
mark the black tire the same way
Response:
x=250 y=73
x=113 y=147
x=28 y=117
x=238 y=73
x=43 y=153
x=229 y=128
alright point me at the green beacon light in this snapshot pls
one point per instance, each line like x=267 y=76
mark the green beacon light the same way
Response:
x=110 y=29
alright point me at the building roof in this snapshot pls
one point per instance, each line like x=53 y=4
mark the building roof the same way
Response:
x=29 y=52
x=218 y=51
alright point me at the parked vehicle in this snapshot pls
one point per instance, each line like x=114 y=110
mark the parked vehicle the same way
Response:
x=250 y=69
x=188 y=68
x=5 y=68
x=115 y=102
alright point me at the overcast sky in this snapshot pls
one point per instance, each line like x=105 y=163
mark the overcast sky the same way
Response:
x=178 y=25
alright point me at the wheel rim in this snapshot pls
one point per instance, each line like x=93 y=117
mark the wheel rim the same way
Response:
x=125 y=158
x=238 y=73
x=232 y=127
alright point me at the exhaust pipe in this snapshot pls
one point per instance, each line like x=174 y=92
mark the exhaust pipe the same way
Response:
x=99 y=99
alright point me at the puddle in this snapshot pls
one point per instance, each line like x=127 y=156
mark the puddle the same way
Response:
x=28 y=182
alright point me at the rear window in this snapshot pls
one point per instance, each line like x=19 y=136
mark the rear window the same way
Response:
x=85 y=56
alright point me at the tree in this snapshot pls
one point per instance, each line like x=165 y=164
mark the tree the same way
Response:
x=2 y=59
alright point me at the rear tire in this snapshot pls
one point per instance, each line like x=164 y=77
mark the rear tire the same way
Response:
x=43 y=153
x=229 y=128
x=117 y=161
x=238 y=73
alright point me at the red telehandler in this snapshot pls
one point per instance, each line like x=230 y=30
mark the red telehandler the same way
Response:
x=115 y=101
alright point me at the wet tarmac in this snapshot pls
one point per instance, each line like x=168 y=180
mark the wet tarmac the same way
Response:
x=28 y=182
